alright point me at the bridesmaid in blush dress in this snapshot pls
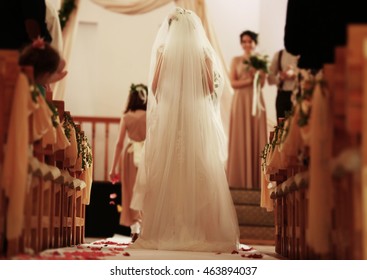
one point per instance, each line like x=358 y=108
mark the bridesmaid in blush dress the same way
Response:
x=247 y=133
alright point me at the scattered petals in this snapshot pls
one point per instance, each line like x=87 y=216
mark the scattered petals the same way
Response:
x=96 y=248
x=234 y=252
x=118 y=249
x=247 y=249
x=253 y=256
x=105 y=243
x=126 y=254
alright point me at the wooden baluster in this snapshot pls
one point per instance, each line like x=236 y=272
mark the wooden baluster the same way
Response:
x=106 y=151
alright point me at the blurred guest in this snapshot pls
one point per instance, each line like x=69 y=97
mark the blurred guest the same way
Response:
x=282 y=73
x=22 y=21
x=247 y=133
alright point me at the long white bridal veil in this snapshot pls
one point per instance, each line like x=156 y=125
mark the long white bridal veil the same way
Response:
x=183 y=167
x=181 y=55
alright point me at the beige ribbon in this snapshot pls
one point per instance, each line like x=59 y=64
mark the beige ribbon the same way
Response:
x=256 y=100
x=136 y=148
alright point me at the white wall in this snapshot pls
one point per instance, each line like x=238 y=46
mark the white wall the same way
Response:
x=231 y=17
x=119 y=55
x=104 y=64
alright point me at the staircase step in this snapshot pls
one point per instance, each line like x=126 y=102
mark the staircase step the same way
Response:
x=254 y=215
x=256 y=233
x=255 y=222
x=244 y=196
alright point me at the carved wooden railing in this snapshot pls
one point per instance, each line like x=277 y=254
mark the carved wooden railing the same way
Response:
x=107 y=123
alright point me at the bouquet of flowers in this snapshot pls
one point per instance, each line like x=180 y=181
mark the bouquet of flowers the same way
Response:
x=258 y=62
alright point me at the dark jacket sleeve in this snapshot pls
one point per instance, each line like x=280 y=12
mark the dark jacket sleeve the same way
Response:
x=315 y=28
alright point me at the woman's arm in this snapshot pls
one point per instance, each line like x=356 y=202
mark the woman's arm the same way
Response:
x=273 y=78
x=209 y=74
x=114 y=174
x=157 y=71
x=235 y=81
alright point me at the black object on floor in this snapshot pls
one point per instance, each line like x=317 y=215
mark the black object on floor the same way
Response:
x=102 y=216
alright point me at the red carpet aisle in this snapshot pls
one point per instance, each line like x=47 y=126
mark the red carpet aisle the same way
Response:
x=117 y=248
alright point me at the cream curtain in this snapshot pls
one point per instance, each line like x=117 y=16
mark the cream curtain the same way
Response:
x=68 y=35
x=132 y=7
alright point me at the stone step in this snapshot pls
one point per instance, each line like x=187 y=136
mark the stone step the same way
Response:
x=255 y=222
x=257 y=233
x=254 y=215
x=243 y=196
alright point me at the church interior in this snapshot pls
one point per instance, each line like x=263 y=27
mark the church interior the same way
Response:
x=56 y=199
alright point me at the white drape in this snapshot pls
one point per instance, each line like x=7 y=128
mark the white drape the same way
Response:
x=68 y=35
x=132 y=7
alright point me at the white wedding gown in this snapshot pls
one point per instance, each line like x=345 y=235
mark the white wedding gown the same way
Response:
x=181 y=185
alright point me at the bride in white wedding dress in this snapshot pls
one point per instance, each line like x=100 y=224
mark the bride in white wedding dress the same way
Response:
x=181 y=185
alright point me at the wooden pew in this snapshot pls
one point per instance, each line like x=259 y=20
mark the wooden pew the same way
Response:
x=56 y=196
x=9 y=71
x=54 y=211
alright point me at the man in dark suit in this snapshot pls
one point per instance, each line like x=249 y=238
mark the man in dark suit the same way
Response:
x=21 y=21
x=314 y=28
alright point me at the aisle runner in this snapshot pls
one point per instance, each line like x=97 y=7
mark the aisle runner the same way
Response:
x=117 y=248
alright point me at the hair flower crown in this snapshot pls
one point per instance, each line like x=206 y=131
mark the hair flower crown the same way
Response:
x=38 y=43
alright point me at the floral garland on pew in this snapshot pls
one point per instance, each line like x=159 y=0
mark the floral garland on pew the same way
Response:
x=307 y=82
x=87 y=159
x=303 y=100
x=83 y=146
x=279 y=130
x=66 y=125
x=69 y=122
